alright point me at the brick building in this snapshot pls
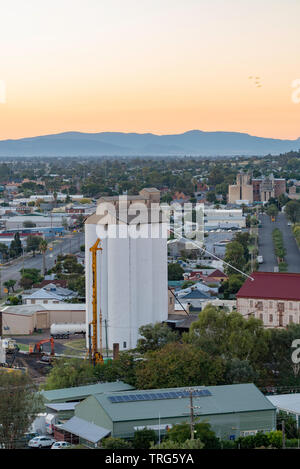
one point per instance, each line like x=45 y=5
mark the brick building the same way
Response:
x=272 y=297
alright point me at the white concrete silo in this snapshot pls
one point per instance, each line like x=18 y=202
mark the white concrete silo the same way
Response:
x=132 y=280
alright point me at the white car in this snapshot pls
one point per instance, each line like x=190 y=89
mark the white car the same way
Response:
x=41 y=442
x=60 y=445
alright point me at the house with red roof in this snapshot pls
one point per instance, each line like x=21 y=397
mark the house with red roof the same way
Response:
x=217 y=276
x=272 y=297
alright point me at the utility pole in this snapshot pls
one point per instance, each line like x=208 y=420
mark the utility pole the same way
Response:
x=192 y=412
x=283 y=434
x=192 y=415
x=106 y=338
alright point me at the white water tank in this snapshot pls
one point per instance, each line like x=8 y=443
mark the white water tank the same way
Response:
x=65 y=329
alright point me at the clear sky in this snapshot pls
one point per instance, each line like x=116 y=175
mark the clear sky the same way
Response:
x=163 y=66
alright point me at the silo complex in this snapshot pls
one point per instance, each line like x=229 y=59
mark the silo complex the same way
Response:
x=131 y=268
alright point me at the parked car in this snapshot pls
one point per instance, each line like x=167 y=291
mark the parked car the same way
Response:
x=60 y=445
x=41 y=442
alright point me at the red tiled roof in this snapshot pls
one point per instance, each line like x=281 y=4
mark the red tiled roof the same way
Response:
x=270 y=285
x=217 y=273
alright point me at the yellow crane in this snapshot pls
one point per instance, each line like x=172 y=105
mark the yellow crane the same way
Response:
x=95 y=355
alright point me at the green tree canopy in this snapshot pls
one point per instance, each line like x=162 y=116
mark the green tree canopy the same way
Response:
x=155 y=336
x=170 y=366
x=175 y=271
x=19 y=405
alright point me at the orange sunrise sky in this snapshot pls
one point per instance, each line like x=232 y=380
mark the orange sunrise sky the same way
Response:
x=162 y=66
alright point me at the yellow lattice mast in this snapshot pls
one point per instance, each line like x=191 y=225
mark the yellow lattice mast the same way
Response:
x=96 y=356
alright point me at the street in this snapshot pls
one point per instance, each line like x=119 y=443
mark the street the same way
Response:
x=266 y=248
x=68 y=244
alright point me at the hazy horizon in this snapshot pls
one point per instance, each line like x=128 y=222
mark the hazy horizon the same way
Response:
x=149 y=66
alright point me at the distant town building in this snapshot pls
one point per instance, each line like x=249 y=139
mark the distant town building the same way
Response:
x=272 y=297
x=247 y=190
x=242 y=190
x=293 y=194
x=223 y=218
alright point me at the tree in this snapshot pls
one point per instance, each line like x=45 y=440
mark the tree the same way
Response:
x=211 y=197
x=15 y=248
x=33 y=243
x=43 y=248
x=292 y=210
x=71 y=265
x=175 y=272
x=176 y=365
x=272 y=210
x=77 y=284
x=155 y=336
x=4 y=251
x=144 y=438
x=239 y=371
x=230 y=335
x=232 y=285
x=182 y=432
x=115 y=443
x=68 y=373
x=170 y=444
x=234 y=255
x=9 y=284
x=19 y=404
x=290 y=424
x=33 y=274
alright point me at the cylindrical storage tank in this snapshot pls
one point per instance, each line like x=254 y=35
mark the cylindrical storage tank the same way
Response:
x=64 y=330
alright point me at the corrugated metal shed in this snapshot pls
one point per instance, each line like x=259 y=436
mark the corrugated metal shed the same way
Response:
x=80 y=392
x=223 y=400
x=286 y=402
x=86 y=430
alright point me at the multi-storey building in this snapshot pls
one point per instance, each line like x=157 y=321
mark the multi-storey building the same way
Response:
x=272 y=297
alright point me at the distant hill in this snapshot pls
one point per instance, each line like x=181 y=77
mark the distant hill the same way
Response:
x=194 y=142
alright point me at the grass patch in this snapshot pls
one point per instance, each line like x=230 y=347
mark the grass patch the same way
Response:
x=78 y=345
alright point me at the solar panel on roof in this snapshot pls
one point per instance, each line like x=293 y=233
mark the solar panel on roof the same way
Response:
x=158 y=396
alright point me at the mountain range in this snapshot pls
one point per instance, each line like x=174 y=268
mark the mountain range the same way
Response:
x=194 y=142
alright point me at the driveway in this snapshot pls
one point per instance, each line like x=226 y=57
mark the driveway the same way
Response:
x=266 y=248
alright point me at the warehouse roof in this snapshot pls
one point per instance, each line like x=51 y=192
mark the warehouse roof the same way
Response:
x=271 y=285
x=80 y=392
x=222 y=400
x=29 y=310
x=286 y=402
x=58 y=406
x=84 y=429
x=23 y=310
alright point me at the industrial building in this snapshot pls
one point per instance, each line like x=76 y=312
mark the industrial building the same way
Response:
x=25 y=319
x=289 y=403
x=131 y=270
x=232 y=410
x=224 y=219
x=78 y=393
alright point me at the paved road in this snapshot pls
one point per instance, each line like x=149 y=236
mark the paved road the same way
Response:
x=69 y=244
x=266 y=248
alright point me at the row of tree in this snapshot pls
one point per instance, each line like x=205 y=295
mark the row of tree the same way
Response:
x=220 y=348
